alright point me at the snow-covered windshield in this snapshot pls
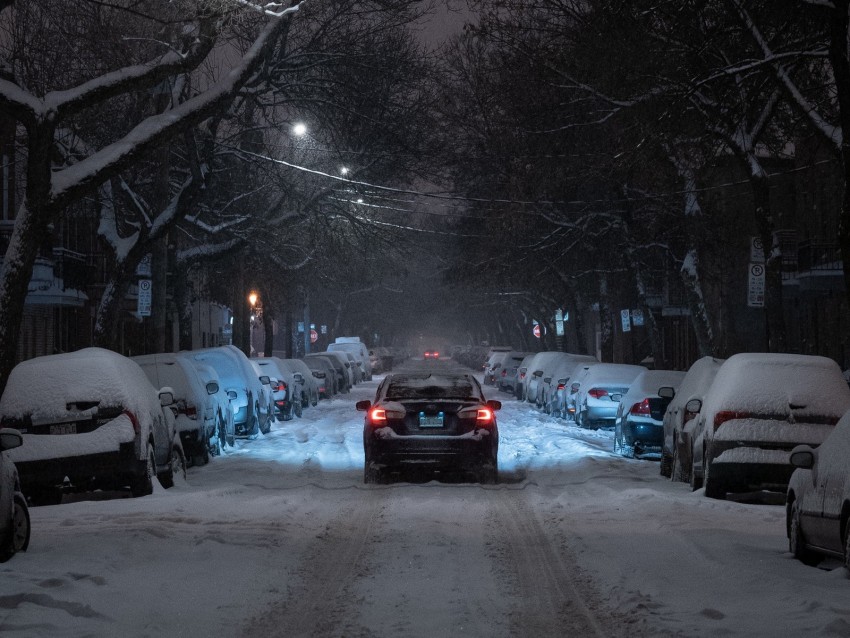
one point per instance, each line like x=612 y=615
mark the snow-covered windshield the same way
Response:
x=431 y=387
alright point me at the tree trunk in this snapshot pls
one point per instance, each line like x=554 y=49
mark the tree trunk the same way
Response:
x=696 y=304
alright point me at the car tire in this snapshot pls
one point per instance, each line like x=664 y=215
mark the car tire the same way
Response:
x=202 y=457
x=372 y=475
x=695 y=481
x=677 y=473
x=299 y=407
x=266 y=427
x=143 y=485
x=19 y=534
x=665 y=468
x=796 y=540
x=176 y=467
x=714 y=487
x=314 y=401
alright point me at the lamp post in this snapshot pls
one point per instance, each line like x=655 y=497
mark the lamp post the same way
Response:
x=252 y=299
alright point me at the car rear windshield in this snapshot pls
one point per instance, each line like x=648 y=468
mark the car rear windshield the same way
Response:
x=430 y=387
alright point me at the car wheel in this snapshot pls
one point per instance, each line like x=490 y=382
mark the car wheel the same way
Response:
x=666 y=465
x=143 y=485
x=265 y=427
x=372 y=475
x=626 y=449
x=202 y=457
x=315 y=400
x=580 y=419
x=176 y=467
x=677 y=472
x=714 y=487
x=696 y=481
x=299 y=407
x=19 y=534
x=796 y=540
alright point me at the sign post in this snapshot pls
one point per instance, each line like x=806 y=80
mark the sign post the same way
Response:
x=145 y=298
x=625 y=318
x=755 y=289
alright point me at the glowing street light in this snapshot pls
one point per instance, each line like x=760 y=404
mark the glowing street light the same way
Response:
x=253 y=297
x=343 y=170
x=299 y=129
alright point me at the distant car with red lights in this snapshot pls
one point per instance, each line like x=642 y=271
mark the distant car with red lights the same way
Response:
x=432 y=354
x=435 y=421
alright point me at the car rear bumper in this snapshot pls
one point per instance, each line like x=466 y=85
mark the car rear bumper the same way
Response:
x=117 y=468
x=432 y=451
x=749 y=467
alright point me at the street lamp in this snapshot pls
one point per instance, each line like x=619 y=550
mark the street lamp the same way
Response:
x=252 y=299
x=343 y=171
x=299 y=129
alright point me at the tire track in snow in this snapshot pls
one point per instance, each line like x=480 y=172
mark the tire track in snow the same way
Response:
x=313 y=605
x=549 y=601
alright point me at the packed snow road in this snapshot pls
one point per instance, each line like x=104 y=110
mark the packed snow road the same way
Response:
x=281 y=538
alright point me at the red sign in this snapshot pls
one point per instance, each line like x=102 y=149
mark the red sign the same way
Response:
x=314 y=336
x=536 y=330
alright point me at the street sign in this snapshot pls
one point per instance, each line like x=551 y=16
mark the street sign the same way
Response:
x=559 y=315
x=626 y=320
x=756 y=250
x=755 y=289
x=143 y=269
x=314 y=336
x=145 y=298
x=559 y=328
x=536 y=330
x=324 y=329
x=300 y=326
x=637 y=317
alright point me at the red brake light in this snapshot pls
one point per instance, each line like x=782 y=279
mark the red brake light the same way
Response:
x=378 y=416
x=641 y=408
x=504 y=373
x=598 y=393
x=561 y=386
x=484 y=416
x=522 y=375
x=281 y=386
x=436 y=354
x=727 y=415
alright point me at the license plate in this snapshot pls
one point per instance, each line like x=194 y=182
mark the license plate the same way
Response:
x=431 y=421
x=64 y=428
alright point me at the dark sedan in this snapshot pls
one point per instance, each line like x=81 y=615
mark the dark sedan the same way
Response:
x=434 y=421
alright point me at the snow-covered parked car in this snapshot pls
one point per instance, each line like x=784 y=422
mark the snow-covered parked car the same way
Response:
x=760 y=406
x=194 y=404
x=554 y=385
x=225 y=427
x=310 y=383
x=818 y=498
x=639 y=426
x=537 y=367
x=287 y=391
x=601 y=388
x=90 y=419
x=251 y=409
x=358 y=349
x=14 y=515
x=679 y=423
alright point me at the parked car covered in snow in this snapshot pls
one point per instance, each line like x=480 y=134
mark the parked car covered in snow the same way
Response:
x=302 y=374
x=194 y=404
x=358 y=349
x=506 y=380
x=252 y=411
x=564 y=402
x=324 y=374
x=286 y=390
x=225 y=427
x=537 y=367
x=91 y=417
x=14 y=514
x=555 y=381
x=639 y=426
x=598 y=397
x=817 y=504
x=679 y=423
x=341 y=366
x=760 y=406
x=493 y=367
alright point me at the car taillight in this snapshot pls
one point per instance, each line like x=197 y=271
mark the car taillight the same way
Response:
x=135 y=422
x=484 y=416
x=280 y=404
x=597 y=393
x=504 y=373
x=561 y=386
x=436 y=354
x=641 y=408
x=727 y=415
x=281 y=387
x=191 y=411
x=522 y=375
x=379 y=416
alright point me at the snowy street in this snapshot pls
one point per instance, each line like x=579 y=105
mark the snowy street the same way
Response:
x=280 y=537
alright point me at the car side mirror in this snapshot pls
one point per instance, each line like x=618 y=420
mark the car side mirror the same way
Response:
x=666 y=392
x=231 y=394
x=166 y=397
x=538 y=373
x=494 y=405
x=694 y=405
x=298 y=377
x=265 y=380
x=547 y=379
x=10 y=439
x=803 y=457
x=212 y=387
x=363 y=406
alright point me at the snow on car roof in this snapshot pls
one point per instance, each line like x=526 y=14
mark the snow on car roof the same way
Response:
x=45 y=386
x=769 y=383
x=646 y=385
x=697 y=380
x=612 y=373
